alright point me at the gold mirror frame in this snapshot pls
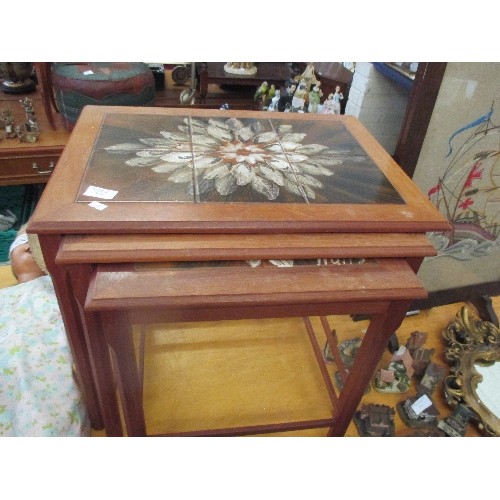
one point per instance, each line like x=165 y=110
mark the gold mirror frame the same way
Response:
x=471 y=341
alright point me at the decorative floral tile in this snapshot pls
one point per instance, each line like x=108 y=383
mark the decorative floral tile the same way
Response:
x=228 y=160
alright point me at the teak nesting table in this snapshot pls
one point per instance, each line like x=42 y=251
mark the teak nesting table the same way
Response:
x=156 y=214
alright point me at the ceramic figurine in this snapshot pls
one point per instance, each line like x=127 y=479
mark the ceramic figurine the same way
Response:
x=337 y=97
x=412 y=417
x=314 y=97
x=286 y=99
x=327 y=108
x=421 y=358
x=301 y=90
x=27 y=104
x=10 y=131
x=291 y=87
x=271 y=93
x=403 y=355
x=308 y=77
x=31 y=121
x=394 y=379
x=299 y=97
x=456 y=424
x=187 y=96
x=261 y=93
x=30 y=130
x=417 y=339
x=347 y=350
x=433 y=376
x=274 y=101
x=375 y=421
x=240 y=68
x=27 y=133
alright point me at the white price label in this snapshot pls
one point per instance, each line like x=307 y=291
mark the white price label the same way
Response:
x=421 y=404
x=98 y=205
x=98 y=192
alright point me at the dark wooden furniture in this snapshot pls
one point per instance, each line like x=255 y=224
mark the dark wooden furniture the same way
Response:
x=44 y=77
x=304 y=187
x=276 y=73
x=28 y=164
x=423 y=95
x=25 y=163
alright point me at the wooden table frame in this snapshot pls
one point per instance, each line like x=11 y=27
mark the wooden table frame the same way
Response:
x=75 y=239
x=121 y=295
x=71 y=260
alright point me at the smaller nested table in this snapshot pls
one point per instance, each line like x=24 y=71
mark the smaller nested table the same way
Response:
x=276 y=73
x=122 y=295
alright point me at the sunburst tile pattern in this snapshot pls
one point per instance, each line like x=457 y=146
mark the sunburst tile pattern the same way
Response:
x=231 y=160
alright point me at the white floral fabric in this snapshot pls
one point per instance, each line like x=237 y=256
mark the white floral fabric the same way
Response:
x=38 y=395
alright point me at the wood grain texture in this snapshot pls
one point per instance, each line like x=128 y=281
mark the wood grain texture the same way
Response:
x=58 y=210
x=193 y=247
x=128 y=287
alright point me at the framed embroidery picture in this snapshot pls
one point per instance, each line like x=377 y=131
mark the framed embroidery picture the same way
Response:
x=459 y=170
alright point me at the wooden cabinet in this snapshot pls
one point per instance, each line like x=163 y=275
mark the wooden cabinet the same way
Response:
x=27 y=166
x=273 y=73
x=23 y=163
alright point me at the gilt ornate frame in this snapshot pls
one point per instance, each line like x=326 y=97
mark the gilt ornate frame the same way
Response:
x=471 y=341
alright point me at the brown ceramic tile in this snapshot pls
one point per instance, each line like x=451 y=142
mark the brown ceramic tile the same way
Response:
x=225 y=160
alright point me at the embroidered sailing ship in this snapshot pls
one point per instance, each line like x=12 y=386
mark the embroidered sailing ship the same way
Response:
x=468 y=192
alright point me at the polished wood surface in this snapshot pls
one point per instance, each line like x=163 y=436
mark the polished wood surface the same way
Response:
x=381 y=288
x=44 y=77
x=66 y=211
x=388 y=284
x=121 y=286
x=423 y=96
x=76 y=331
x=192 y=247
x=30 y=163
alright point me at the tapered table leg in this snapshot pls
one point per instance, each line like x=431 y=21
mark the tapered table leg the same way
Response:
x=119 y=336
x=371 y=350
x=74 y=329
x=98 y=351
